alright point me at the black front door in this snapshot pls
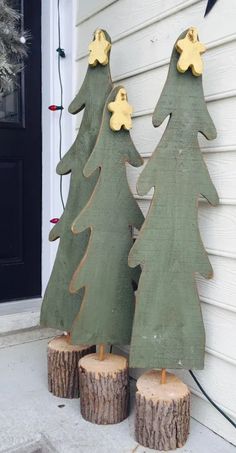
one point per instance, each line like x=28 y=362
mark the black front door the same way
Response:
x=20 y=171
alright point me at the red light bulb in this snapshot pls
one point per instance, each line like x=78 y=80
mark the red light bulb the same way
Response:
x=54 y=220
x=54 y=107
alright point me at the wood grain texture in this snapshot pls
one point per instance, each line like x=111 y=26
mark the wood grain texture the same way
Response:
x=162 y=412
x=222 y=112
x=107 y=308
x=168 y=331
x=59 y=306
x=222 y=169
x=63 y=367
x=217 y=228
x=104 y=389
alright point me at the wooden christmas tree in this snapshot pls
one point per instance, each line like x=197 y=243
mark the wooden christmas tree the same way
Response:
x=168 y=330
x=60 y=307
x=106 y=313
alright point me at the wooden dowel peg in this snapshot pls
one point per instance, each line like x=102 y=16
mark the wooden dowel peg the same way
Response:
x=101 y=351
x=163 y=376
x=68 y=337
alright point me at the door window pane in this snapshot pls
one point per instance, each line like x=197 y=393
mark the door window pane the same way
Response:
x=10 y=108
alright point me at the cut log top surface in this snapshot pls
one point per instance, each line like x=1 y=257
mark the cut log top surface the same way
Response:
x=149 y=385
x=112 y=364
x=61 y=344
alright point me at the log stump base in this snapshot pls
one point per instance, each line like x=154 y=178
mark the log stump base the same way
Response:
x=104 y=388
x=162 y=411
x=63 y=366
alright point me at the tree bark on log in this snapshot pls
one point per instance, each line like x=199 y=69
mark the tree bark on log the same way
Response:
x=104 y=388
x=162 y=411
x=63 y=366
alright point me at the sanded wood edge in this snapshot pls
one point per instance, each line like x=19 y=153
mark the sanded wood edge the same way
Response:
x=150 y=384
x=110 y=365
x=63 y=343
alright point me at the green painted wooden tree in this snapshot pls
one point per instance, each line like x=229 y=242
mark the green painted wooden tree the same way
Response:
x=106 y=313
x=168 y=330
x=59 y=306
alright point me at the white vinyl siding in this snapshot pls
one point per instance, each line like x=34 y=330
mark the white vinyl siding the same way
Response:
x=143 y=34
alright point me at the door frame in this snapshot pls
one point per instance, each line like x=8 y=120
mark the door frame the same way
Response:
x=50 y=92
x=51 y=204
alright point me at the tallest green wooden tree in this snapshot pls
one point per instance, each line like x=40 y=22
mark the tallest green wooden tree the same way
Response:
x=168 y=330
x=59 y=306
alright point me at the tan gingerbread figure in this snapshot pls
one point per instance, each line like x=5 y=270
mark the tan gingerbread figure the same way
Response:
x=121 y=112
x=190 y=49
x=99 y=49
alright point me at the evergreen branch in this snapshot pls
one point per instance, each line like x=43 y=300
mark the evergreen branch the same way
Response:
x=13 y=48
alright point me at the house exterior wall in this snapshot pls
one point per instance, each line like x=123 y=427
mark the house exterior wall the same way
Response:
x=143 y=33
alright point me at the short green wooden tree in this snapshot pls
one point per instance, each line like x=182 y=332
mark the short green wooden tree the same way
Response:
x=168 y=330
x=59 y=306
x=106 y=313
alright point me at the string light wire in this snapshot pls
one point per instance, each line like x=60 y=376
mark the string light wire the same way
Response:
x=211 y=401
x=60 y=54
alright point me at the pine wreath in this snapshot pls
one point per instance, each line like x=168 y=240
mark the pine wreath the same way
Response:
x=13 y=47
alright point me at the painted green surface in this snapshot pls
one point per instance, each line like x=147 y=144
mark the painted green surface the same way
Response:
x=168 y=330
x=59 y=306
x=106 y=313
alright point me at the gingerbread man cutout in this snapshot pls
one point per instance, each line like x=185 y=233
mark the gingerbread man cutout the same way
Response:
x=99 y=49
x=121 y=112
x=190 y=49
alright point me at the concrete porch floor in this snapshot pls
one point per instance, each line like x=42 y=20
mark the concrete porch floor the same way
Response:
x=34 y=421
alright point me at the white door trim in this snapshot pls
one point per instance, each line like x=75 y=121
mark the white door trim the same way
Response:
x=51 y=204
